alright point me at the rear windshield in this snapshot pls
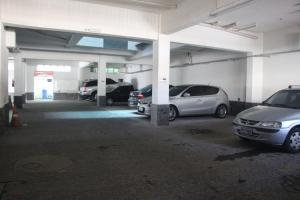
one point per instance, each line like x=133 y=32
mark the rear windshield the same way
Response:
x=90 y=83
x=174 y=91
x=147 y=89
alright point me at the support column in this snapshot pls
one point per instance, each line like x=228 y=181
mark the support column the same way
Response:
x=254 y=84
x=4 y=100
x=101 y=91
x=19 y=96
x=160 y=84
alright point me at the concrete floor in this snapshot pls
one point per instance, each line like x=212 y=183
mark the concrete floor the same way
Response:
x=66 y=150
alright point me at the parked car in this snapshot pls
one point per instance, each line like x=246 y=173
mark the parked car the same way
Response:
x=137 y=95
x=192 y=100
x=88 y=90
x=119 y=94
x=276 y=121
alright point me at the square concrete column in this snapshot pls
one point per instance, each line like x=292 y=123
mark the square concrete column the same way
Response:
x=101 y=91
x=254 y=84
x=160 y=82
x=19 y=96
x=4 y=100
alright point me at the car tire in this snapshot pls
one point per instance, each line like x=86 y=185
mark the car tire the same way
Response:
x=109 y=101
x=93 y=97
x=173 y=113
x=245 y=139
x=292 y=142
x=221 y=111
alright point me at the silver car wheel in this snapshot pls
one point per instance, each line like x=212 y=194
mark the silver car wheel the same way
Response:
x=221 y=111
x=172 y=113
x=295 y=141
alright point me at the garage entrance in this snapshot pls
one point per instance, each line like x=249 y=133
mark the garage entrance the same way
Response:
x=43 y=85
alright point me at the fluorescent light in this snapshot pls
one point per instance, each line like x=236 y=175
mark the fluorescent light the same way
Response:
x=230 y=7
x=245 y=27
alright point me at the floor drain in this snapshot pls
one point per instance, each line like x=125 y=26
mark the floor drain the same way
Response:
x=201 y=131
x=44 y=163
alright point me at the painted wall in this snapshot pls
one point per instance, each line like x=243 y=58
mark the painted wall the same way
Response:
x=3 y=68
x=230 y=75
x=281 y=70
x=64 y=82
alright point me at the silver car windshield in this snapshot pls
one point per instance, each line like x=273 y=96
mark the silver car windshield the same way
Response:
x=285 y=99
x=177 y=90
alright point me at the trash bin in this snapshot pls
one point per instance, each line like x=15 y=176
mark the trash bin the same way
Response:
x=44 y=94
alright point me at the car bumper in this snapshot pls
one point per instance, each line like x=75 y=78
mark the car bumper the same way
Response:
x=144 y=109
x=132 y=102
x=268 y=136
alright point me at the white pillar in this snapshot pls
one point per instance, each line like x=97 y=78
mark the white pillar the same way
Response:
x=254 y=84
x=4 y=101
x=19 y=96
x=160 y=82
x=101 y=91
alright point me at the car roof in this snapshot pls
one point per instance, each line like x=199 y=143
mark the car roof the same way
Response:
x=190 y=85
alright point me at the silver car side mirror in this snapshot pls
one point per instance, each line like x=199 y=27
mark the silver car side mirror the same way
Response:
x=186 y=94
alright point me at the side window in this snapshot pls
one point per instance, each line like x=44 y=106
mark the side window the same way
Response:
x=196 y=91
x=211 y=90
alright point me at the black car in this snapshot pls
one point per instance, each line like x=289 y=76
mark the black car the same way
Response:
x=135 y=96
x=119 y=94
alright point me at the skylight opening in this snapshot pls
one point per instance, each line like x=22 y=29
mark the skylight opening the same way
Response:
x=133 y=45
x=91 y=42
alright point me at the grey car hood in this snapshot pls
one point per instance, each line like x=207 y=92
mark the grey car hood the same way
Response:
x=268 y=113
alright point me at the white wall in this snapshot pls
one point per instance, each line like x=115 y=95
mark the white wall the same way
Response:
x=3 y=68
x=281 y=70
x=230 y=75
x=85 y=74
x=64 y=82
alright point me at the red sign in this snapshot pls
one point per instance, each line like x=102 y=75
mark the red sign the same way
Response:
x=42 y=73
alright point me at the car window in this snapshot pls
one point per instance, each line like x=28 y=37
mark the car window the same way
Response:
x=174 y=91
x=147 y=89
x=90 y=83
x=211 y=90
x=196 y=91
x=285 y=98
x=202 y=90
x=110 y=81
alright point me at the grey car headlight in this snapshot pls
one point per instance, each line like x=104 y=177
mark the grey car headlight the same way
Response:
x=270 y=124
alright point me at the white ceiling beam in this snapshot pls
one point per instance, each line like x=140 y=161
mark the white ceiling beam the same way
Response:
x=78 y=50
x=149 y=51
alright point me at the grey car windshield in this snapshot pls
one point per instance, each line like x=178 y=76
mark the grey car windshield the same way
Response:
x=285 y=98
x=177 y=90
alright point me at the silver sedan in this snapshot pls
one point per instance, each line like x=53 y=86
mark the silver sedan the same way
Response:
x=192 y=100
x=276 y=121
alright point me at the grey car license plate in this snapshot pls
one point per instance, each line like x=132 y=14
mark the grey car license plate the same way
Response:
x=246 y=131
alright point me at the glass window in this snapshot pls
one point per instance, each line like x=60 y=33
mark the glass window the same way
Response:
x=91 y=42
x=177 y=90
x=285 y=98
x=196 y=91
x=133 y=45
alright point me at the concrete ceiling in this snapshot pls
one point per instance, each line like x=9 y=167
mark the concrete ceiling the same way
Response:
x=266 y=15
x=147 y=5
x=30 y=39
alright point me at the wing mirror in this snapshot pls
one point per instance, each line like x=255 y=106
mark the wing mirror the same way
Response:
x=186 y=94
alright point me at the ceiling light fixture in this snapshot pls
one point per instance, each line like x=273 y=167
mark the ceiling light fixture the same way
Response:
x=230 y=7
x=245 y=27
x=228 y=26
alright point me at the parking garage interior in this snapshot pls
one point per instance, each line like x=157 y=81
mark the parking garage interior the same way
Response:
x=64 y=135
